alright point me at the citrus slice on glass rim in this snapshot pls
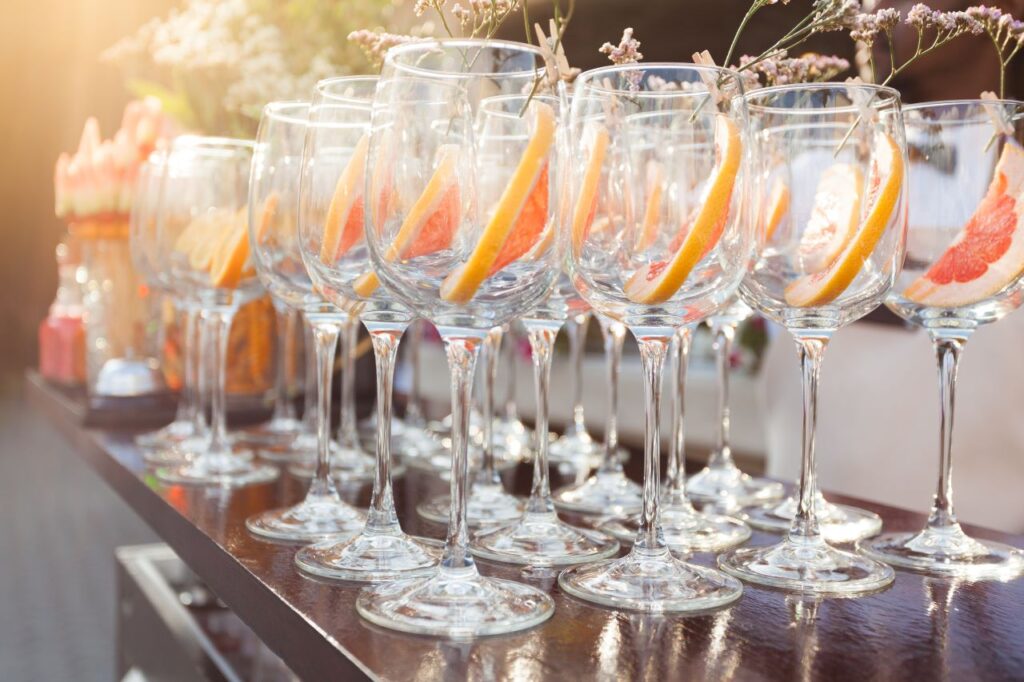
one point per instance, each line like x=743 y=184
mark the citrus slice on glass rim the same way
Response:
x=461 y=285
x=988 y=253
x=777 y=207
x=885 y=185
x=432 y=221
x=658 y=281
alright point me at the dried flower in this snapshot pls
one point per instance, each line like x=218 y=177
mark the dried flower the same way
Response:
x=626 y=52
x=867 y=27
x=376 y=44
x=1005 y=32
x=783 y=70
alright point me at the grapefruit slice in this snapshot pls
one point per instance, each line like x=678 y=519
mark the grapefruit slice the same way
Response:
x=655 y=189
x=886 y=183
x=988 y=253
x=586 y=204
x=267 y=217
x=432 y=221
x=231 y=258
x=778 y=205
x=530 y=226
x=344 y=225
x=209 y=233
x=835 y=215
x=514 y=208
x=658 y=281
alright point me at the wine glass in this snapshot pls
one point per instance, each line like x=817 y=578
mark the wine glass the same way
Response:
x=827 y=257
x=335 y=206
x=509 y=431
x=202 y=236
x=607 y=490
x=274 y=241
x=657 y=243
x=964 y=269
x=721 y=483
x=438 y=246
x=505 y=139
x=685 y=529
x=159 y=447
x=576 y=446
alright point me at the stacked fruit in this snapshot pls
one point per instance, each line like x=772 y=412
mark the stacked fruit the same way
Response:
x=98 y=180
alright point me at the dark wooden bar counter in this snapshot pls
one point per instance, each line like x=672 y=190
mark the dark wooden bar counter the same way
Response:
x=918 y=629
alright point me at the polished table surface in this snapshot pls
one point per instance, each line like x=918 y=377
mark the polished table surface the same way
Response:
x=920 y=628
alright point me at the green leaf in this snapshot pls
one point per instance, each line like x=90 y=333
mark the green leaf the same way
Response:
x=174 y=103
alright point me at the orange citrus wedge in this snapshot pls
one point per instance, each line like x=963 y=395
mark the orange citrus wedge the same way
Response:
x=432 y=221
x=586 y=203
x=516 y=199
x=658 y=281
x=210 y=232
x=233 y=255
x=885 y=185
x=530 y=226
x=835 y=216
x=267 y=217
x=655 y=189
x=988 y=253
x=778 y=206
x=344 y=225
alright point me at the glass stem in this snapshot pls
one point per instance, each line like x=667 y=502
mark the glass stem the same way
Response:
x=675 y=469
x=948 y=348
x=222 y=318
x=310 y=400
x=508 y=351
x=382 y=517
x=811 y=349
x=542 y=344
x=414 y=406
x=190 y=370
x=653 y=350
x=723 y=333
x=577 y=331
x=462 y=355
x=614 y=334
x=325 y=341
x=488 y=474
x=204 y=341
x=348 y=437
x=285 y=327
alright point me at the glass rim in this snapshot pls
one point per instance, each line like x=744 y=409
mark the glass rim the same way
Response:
x=278 y=111
x=191 y=141
x=892 y=97
x=498 y=99
x=324 y=85
x=590 y=74
x=414 y=45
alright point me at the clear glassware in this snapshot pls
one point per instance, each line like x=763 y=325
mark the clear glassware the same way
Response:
x=510 y=433
x=274 y=241
x=685 y=529
x=964 y=269
x=160 y=447
x=440 y=250
x=284 y=425
x=333 y=210
x=202 y=229
x=576 y=446
x=351 y=463
x=824 y=257
x=657 y=244
x=721 y=483
x=608 y=490
x=488 y=503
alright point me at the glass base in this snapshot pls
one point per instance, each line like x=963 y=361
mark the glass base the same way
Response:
x=542 y=540
x=807 y=565
x=839 y=523
x=603 y=493
x=416 y=444
x=168 y=436
x=166 y=456
x=728 y=488
x=226 y=470
x=652 y=582
x=513 y=439
x=277 y=431
x=301 y=447
x=440 y=462
x=576 y=447
x=487 y=505
x=946 y=552
x=348 y=467
x=310 y=520
x=456 y=604
x=686 y=530
x=371 y=557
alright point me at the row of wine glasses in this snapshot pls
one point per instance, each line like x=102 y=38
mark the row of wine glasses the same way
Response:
x=659 y=196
